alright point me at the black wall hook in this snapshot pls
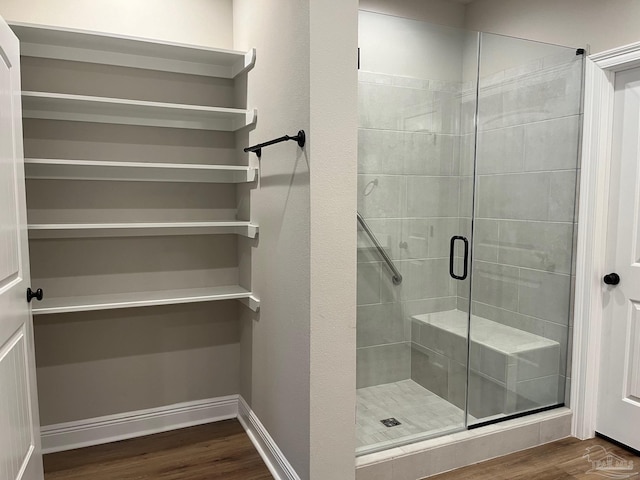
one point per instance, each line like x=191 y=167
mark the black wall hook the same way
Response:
x=300 y=138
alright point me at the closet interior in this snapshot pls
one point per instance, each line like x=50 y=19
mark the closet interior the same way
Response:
x=139 y=234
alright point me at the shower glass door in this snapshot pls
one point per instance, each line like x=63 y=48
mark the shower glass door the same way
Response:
x=529 y=117
x=467 y=173
x=417 y=91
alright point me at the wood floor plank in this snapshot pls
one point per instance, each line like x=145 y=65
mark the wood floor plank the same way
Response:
x=561 y=460
x=222 y=450
x=217 y=450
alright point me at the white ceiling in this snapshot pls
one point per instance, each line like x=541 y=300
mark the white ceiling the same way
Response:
x=464 y=2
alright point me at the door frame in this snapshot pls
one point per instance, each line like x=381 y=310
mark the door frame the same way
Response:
x=600 y=72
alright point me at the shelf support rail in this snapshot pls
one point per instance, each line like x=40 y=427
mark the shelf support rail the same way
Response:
x=300 y=138
x=396 y=278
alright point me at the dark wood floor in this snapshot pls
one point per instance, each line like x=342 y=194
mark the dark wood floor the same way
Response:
x=223 y=450
x=218 y=450
x=562 y=460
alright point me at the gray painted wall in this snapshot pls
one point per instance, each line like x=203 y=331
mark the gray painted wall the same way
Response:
x=276 y=342
x=441 y=12
x=198 y=22
x=298 y=354
x=576 y=23
x=333 y=237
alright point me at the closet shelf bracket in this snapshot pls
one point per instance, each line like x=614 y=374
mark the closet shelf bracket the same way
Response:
x=252 y=302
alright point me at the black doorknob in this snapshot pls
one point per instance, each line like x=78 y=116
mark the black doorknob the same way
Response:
x=38 y=294
x=612 y=279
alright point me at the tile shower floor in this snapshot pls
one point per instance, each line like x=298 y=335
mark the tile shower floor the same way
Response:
x=420 y=412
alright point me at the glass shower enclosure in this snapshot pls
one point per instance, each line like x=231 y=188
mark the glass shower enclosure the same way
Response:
x=467 y=173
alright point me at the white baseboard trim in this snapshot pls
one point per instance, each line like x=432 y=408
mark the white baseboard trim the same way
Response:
x=272 y=456
x=111 y=428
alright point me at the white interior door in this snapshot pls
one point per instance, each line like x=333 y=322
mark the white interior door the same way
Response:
x=20 y=456
x=618 y=414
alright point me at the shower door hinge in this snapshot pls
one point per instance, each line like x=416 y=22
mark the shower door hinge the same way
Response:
x=580 y=51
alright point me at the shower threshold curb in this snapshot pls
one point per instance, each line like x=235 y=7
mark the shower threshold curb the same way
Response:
x=459 y=449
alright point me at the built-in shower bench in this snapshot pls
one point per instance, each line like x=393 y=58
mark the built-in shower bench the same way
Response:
x=511 y=369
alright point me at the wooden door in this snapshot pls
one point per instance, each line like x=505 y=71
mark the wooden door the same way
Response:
x=619 y=392
x=20 y=456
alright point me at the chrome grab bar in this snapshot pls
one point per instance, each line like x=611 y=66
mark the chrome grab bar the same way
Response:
x=396 y=278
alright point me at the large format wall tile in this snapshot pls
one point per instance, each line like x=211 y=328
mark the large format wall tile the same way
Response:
x=490 y=107
x=416 y=165
x=534 y=196
x=439 y=341
x=368 y=289
x=457 y=381
x=562 y=196
x=465 y=205
x=488 y=362
x=513 y=196
x=509 y=318
x=528 y=144
x=380 y=151
x=538 y=363
x=544 y=295
x=525 y=95
x=428 y=305
x=501 y=150
x=561 y=334
x=538 y=392
x=394 y=152
x=383 y=364
x=425 y=279
x=542 y=96
x=396 y=108
x=547 y=145
x=428 y=237
x=380 y=324
x=538 y=245
x=430 y=369
x=432 y=196
x=495 y=284
x=485 y=240
x=486 y=397
x=428 y=154
x=388 y=232
x=381 y=196
x=464 y=154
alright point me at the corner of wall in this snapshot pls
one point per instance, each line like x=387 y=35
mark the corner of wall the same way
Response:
x=333 y=157
x=275 y=342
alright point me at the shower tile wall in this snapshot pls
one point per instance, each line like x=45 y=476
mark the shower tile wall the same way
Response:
x=417 y=147
x=408 y=191
x=529 y=120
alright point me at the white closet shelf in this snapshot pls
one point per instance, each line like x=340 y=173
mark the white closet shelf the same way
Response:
x=90 y=230
x=54 y=169
x=124 y=51
x=82 y=108
x=144 y=299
